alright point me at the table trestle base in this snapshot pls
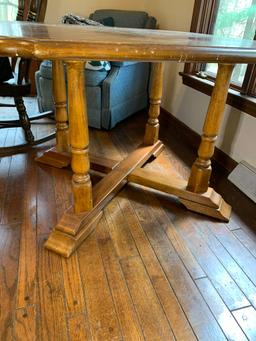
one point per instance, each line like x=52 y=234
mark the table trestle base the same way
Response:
x=80 y=219
x=65 y=244
x=209 y=203
x=73 y=227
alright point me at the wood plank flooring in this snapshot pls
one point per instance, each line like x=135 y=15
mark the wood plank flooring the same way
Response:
x=150 y=271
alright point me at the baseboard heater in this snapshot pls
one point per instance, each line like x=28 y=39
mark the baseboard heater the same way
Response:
x=244 y=177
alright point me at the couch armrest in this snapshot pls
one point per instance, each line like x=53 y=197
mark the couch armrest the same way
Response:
x=123 y=84
x=125 y=81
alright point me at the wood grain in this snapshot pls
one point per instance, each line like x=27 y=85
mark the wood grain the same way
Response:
x=249 y=241
x=9 y=257
x=119 y=231
x=224 y=284
x=220 y=311
x=154 y=324
x=51 y=298
x=103 y=321
x=247 y=319
x=73 y=289
x=126 y=312
x=244 y=282
x=27 y=282
x=172 y=308
x=46 y=208
x=151 y=229
x=13 y=211
x=236 y=249
x=69 y=41
x=78 y=328
x=25 y=324
x=181 y=282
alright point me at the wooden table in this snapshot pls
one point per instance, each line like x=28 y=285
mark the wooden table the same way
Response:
x=74 y=45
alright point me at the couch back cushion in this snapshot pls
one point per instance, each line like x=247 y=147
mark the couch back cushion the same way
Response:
x=93 y=78
x=122 y=18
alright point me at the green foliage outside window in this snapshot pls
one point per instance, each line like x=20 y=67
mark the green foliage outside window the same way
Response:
x=235 y=19
x=8 y=10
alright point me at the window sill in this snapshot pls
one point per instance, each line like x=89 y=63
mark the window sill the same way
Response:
x=246 y=104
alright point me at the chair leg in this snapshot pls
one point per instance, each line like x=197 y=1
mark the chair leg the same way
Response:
x=24 y=119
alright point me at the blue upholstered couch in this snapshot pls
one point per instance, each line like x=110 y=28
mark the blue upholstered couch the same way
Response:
x=111 y=95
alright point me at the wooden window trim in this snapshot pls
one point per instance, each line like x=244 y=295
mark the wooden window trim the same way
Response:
x=244 y=103
x=242 y=98
x=203 y=15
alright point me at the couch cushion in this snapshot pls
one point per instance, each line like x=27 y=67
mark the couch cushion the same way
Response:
x=93 y=78
x=119 y=64
x=133 y=19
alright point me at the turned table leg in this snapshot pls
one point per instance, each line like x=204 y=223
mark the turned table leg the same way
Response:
x=79 y=137
x=58 y=156
x=201 y=169
x=152 y=126
x=195 y=195
x=60 y=101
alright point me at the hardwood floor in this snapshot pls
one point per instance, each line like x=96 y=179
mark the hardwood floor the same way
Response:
x=150 y=271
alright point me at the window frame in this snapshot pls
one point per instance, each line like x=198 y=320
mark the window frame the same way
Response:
x=242 y=98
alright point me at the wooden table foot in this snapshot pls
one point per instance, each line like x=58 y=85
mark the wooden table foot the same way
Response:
x=209 y=203
x=65 y=244
x=73 y=227
x=222 y=212
x=54 y=158
x=57 y=159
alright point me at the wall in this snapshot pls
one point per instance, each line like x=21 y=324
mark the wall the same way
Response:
x=57 y=8
x=237 y=136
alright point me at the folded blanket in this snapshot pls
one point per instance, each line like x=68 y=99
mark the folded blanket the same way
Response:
x=77 y=20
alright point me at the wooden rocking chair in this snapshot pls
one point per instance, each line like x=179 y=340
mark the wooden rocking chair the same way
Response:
x=20 y=85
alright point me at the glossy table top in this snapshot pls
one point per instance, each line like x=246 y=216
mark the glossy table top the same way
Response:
x=88 y=42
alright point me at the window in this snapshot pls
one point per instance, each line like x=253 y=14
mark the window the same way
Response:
x=8 y=9
x=232 y=19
